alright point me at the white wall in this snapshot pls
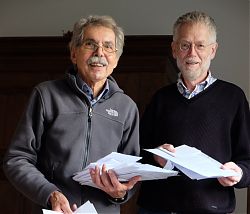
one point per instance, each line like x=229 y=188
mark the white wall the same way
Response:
x=141 y=17
x=51 y=17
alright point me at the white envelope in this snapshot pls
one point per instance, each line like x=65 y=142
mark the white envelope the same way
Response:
x=86 y=208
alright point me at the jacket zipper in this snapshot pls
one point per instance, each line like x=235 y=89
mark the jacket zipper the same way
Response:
x=88 y=137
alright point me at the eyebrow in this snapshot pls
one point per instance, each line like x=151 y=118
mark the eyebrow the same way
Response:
x=92 y=40
x=89 y=40
x=200 y=41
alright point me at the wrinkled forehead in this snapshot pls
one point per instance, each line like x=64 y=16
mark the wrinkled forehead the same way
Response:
x=194 y=31
x=99 y=34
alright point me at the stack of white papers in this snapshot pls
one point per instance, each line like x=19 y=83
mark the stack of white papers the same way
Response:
x=85 y=208
x=125 y=167
x=193 y=162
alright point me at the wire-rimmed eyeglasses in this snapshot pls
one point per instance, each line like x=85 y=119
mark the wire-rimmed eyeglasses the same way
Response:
x=186 y=46
x=93 y=46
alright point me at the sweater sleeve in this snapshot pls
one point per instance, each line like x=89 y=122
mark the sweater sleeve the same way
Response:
x=21 y=157
x=241 y=141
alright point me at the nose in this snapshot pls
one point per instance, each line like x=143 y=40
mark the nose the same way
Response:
x=99 y=51
x=192 y=49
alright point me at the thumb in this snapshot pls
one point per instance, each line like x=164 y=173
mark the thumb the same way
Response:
x=133 y=181
x=74 y=207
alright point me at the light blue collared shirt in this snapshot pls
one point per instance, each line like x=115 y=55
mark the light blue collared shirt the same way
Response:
x=198 y=88
x=88 y=91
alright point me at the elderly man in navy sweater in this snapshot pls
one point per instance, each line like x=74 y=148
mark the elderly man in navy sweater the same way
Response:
x=200 y=111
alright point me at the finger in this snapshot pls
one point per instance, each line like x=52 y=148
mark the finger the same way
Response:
x=234 y=179
x=105 y=177
x=113 y=179
x=92 y=175
x=221 y=182
x=97 y=178
x=234 y=167
x=128 y=185
x=74 y=207
x=169 y=147
x=56 y=207
x=224 y=181
x=55 y=201
x=66 y=209
x=228 y=165
x=227 y=182
x=132 y=182
x=118 y=188
x=59 y=202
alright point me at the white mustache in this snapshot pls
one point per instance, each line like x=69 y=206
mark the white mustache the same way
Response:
x=191 y=60
x=97 y=60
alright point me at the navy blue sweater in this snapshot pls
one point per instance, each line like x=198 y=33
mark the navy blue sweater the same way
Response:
x=216 y=121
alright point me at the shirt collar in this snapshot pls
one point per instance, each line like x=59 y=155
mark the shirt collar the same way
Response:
x=88 y=91
x=198 y=88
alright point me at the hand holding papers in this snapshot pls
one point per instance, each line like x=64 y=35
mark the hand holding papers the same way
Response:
x=193 y=162
x=125 y=167
x=85 y=208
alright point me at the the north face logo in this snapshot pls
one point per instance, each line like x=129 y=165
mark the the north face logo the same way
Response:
x=112 y=112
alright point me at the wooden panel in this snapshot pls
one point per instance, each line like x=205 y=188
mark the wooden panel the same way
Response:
x=12 y=201
x=145 y=66
x=141 y=86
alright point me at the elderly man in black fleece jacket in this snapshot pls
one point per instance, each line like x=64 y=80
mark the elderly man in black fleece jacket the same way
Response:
x=74 y=121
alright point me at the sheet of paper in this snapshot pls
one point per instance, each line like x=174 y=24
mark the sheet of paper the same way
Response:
x=84 y=209
x=50 y=212
x=194 y=163
x=125 y=167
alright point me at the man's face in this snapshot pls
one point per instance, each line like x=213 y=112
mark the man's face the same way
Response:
x=95 y=72
x=194 y=49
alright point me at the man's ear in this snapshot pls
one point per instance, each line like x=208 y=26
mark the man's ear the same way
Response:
x=116 y=63
x=214 y=49
x=73 y=55
x=173 y=46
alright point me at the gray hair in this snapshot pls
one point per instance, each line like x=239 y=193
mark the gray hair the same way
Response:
x=104 y=21
x=195 y=17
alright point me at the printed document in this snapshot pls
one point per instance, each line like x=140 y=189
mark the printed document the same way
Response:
x=194 y=163
x=125 y=167
x=85 y=208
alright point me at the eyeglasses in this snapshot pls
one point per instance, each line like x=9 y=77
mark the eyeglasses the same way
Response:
x=93 y=46
x=186 y=46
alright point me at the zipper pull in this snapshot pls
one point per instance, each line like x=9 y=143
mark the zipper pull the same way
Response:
x=90 y=112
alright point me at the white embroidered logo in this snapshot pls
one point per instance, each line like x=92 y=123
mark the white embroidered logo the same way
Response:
x=112 y=112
